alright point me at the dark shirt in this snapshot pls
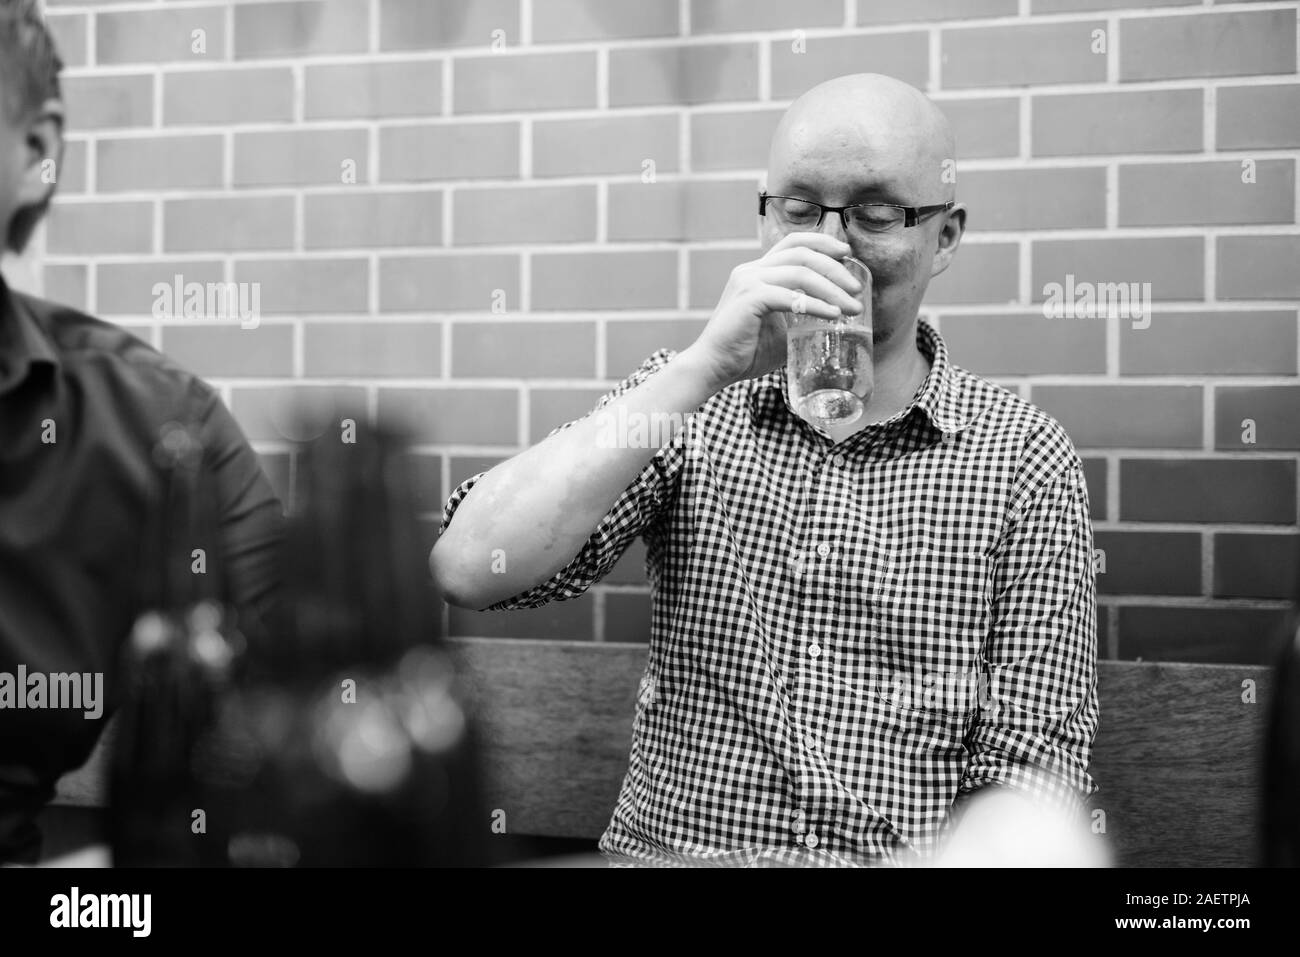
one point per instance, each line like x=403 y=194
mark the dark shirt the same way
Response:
x=72 y=517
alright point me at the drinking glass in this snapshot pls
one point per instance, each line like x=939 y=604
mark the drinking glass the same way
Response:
x=829 y=361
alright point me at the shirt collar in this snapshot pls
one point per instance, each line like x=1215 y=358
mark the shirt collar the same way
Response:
x=23 y=343
x=940 y=397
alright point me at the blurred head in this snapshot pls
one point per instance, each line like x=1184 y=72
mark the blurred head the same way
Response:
x=868 y=138
x=31 y=120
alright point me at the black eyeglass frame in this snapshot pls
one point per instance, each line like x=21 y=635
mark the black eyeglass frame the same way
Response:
x=911 y=214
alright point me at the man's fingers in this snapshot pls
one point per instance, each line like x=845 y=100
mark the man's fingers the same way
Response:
x=784 y=299
x=813 y=283
x=832 y=268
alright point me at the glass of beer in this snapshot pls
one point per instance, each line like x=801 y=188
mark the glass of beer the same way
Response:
x=829 y=361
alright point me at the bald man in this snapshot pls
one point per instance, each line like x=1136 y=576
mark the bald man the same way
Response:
x=856 y=629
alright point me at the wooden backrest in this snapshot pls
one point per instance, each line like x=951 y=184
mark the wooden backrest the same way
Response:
x=1177 y=755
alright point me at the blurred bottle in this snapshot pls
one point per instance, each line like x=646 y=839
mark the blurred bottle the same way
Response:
x=367 y=754
x=1281 y=792
x=176 y=672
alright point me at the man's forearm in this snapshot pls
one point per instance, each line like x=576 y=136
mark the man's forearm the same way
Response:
x=539 y=507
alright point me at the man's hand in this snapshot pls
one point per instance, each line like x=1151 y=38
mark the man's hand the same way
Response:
x=745 y=336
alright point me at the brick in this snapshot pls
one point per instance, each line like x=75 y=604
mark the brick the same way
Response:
x=1208 y=490
x=462 y=467
x=1125 y=416
x=630 y=569
x=1029 y=55
x=228 y=223
x=1263 y=565
x=159 y=36
x=373 y=90
x=605 y=280
x=739 y=140
x=1149 y=563
x=449 y=151
x=529 y=214
x=905 y=56
x=373 y=349
x=1140 y=121
x=71 y=173
x=711 y=268
x=559 y=620
x=984 y=128
x=627 y=616
x=1210 y=343
x=629 y=342
x=159 y=163
x=1258 y=117
x=425 y=473
x=300 y=28
x=978 y=273
x=1061 y=198
x=448 y=283
x=127 y=289
x=460 y=416
x=108 y=101
x=605 y=144
x=1258 y=267
x=1249 y=636
x=228 y=350
x=679 y=75
x=366 y=219
x=535 y=81
x=563 y=21
x=66 y=284
x=71 y=34
x=1094 y=475
x=550 y=408
x=1203 y=45
x=1274 y=409
x=1025 y=344
x=421 y=25
x=1174 y=265
x=1193 y=194
x=223 y=97
x=299 y=157
x=89 y=228
x=724 y=16
x=308 y=285
x=1070 y=6
x=906 y=11
x=277 y=413
x=682 y=210
x=524 y=350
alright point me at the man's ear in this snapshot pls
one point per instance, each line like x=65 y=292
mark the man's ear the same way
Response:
x=950 y=234
x=43 y=139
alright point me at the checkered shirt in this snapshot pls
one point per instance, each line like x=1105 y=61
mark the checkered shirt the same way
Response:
x=847 y=637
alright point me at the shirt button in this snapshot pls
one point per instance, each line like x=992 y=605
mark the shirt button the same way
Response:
x=823 y=549
x=810 y=742
x=838 y=461
x=814 y=650
x=811 y=840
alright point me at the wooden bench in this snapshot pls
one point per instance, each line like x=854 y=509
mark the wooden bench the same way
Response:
x=1177 y=755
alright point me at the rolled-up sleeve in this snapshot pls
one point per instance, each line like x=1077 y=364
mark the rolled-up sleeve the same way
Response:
x=1039 y=714
x=640 y=504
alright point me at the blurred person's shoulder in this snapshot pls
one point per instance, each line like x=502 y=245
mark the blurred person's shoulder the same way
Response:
x=89 y=347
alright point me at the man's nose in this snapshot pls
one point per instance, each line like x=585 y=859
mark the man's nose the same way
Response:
x=833 y=225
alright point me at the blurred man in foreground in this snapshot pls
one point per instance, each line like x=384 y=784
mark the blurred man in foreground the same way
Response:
x=87 y=415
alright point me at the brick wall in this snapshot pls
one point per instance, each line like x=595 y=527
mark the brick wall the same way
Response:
x=499 y=260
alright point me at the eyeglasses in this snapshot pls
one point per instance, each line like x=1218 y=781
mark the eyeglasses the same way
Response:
x=862 y=218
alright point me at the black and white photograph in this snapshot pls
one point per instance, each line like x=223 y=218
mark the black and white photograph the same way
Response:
x=588 y=435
